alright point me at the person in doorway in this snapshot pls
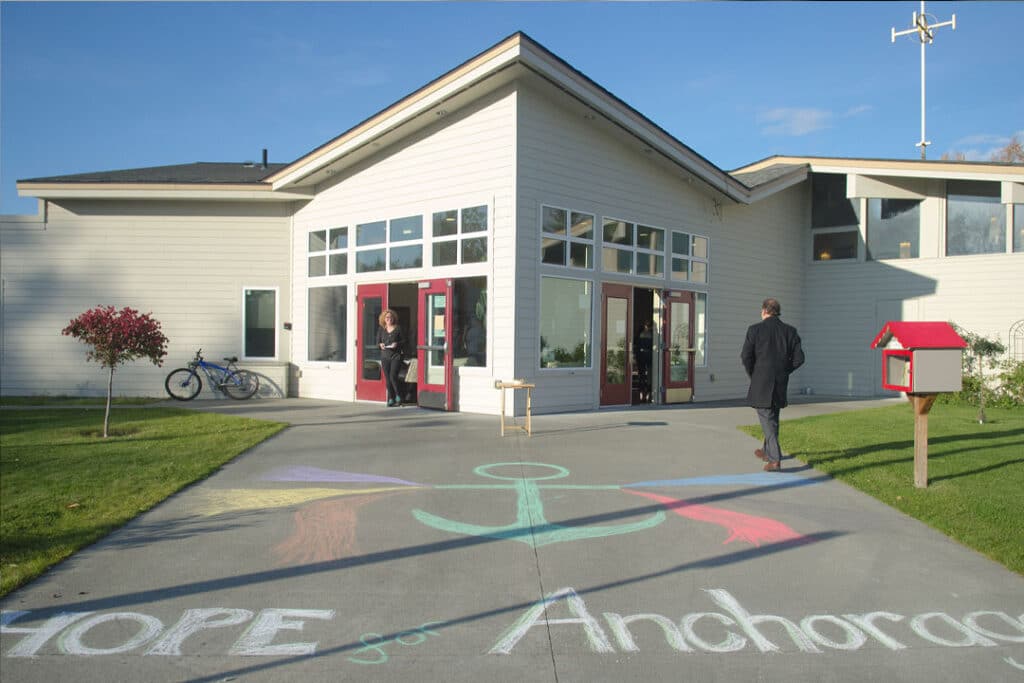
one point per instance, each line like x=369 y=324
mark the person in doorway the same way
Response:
x=644 y=350
x=391 y=342
x=771 y=352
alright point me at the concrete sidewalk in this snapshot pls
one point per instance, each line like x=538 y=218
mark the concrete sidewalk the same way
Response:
x=368 y=543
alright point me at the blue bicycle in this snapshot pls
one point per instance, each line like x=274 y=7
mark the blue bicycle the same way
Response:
x=184 y=384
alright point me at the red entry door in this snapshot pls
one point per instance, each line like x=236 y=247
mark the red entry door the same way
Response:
x=616 y=344
x=371 y=301
x=678 y=326
x=434 y=345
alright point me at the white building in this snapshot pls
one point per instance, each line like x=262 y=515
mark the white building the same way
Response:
x=524 y=223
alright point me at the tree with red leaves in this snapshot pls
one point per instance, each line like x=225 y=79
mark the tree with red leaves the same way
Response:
x=117 y=337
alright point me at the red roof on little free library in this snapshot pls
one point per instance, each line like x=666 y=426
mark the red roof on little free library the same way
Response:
x=920 y=335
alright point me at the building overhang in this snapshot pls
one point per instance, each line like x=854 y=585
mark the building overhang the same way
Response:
x=247 y=192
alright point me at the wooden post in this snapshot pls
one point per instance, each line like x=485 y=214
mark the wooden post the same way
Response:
x=922 y=405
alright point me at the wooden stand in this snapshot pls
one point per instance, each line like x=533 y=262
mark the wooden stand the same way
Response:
x=527 y=427
x=922 y=405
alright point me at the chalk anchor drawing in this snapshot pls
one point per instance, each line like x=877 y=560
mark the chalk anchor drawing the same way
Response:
x=530 y=526
x=327 y=515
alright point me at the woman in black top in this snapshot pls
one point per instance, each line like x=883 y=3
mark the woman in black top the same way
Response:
x=391 y=341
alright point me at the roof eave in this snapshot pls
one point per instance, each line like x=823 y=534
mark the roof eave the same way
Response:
x=477 y=69
x=228 y=192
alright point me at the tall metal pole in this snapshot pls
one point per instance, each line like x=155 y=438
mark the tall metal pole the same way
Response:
x=926 y=34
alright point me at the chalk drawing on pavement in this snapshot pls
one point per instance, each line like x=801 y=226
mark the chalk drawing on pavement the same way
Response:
x=328 y=504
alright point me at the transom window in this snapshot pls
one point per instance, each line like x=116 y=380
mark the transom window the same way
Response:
x=567 y=237
x=689 y=257
x=382 y=245
x=632 y=248
x=975 y=218
x=460 y=236
x=328 y=252
x=835 y=219
x=894 y=228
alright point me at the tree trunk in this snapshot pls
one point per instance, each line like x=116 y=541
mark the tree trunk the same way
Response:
x=981 y=391
x=106 y=414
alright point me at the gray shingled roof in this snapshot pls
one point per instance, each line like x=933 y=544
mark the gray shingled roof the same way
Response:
x=200 y=173
x=766 y=175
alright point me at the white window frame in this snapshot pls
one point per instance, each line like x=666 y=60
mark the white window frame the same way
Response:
x=590 y=325
x=348 y=304
x=277 y=322
x=568 y=238
x=688 y=257
x=459 y=237
x=327 y=252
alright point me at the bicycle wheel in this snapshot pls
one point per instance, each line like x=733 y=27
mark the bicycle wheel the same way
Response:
x=183 y=384
x=240 y=384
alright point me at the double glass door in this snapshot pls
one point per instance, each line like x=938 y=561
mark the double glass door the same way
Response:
x=669 y=379
x=425 y=315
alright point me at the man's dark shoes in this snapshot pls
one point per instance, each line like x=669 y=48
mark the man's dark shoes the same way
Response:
x=760 y=454
x=772 y=467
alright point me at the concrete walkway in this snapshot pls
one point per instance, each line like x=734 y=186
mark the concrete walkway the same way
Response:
x=367 y=543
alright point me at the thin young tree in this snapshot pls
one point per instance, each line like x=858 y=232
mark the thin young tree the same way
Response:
x=117 y=337
x=986 y=351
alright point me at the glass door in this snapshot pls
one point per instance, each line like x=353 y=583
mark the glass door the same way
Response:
x=434 y=346
x=371 y=301
x=679 y=349
x=616 y=345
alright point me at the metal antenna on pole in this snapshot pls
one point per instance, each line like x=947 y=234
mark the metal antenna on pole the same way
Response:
x=926 y=34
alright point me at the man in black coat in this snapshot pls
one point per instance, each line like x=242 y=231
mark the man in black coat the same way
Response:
x=770 y=353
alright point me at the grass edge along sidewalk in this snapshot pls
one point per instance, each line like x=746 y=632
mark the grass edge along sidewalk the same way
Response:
x=975 y=493
x=63 y=487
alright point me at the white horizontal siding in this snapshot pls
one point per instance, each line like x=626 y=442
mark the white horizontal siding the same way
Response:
x=571 y=162
x=980 y=293
x=186 y=263
x=466 y=158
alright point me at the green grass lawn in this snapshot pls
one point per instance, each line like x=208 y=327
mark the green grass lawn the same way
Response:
x=14 y=401
x=975 y=471
x=63 y=487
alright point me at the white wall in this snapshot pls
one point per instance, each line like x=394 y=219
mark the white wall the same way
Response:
x=850 y=301
x=465 y=159
x=186 y=263
x=571 y=162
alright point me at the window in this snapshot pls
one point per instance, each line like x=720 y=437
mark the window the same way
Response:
x=565 y=313
x=567 y=238
x=370 y=234
x=700 y=335
x=617 y=253
x=259 y=323
x=829 y=246
x=1018 y=227
x=469 y=317
x=327 y=324
x=689 y=257
x=894 y=228
x=401 y=230
x=460 y=236
x=328 y=252
x=835 y=219
x=975 y=219
x=650 y=251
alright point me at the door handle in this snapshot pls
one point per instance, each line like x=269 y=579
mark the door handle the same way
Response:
x=433 y=347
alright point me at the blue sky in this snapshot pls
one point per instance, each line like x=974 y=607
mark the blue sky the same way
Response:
x=103 y=86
